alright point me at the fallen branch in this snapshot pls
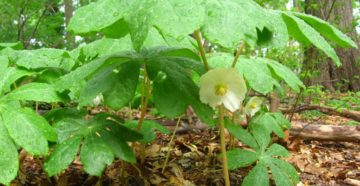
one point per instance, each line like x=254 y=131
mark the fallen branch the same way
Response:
x=312 y=131
x=355 y=115
x=325 y=132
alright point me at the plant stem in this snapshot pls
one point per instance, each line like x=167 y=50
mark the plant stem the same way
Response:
x=147 y=93
x=198 y=38
x=169 y=145
x=223 y=147
x=237 y=55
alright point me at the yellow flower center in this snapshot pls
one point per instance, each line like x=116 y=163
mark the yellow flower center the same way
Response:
x=221 y=89
x=253 y=105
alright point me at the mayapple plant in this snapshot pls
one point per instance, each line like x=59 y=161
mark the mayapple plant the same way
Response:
x=147 y=44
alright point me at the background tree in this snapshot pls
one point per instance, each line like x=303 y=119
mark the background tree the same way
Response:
x=34 y=23
x=347 y=77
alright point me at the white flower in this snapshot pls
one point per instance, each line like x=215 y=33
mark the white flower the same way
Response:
x=98 y=100
x=223 y=86
x=253 y=105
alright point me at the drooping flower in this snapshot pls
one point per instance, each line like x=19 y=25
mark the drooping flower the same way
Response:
x=223 y=86
x=253 y=105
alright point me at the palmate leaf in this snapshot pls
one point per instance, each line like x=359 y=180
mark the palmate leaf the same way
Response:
x=173 y=18
x=103 y=139
x=9 y=163
x=172 y=96
x=327 y=30
x=306 y=34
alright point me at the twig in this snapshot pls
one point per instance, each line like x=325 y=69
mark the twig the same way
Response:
x=169 y=145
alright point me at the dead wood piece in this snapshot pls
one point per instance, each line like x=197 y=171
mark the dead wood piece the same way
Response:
x=352 y=182
x=325 y=132
x=355 y=115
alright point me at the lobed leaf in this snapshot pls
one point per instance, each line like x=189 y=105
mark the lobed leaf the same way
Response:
x=9 y=163
x=306 y=35
x=257 y=176
x=327 y=30
x=238 y=158
x=41 y=92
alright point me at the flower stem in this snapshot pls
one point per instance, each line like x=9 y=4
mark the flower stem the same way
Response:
x=198 y=38
x=169 y=145
x=238 y=53
x=223 y=147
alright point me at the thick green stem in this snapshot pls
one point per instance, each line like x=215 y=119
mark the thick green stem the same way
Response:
x=169 y=145
x=198 y=38
x=223 y=147
x=238 y=53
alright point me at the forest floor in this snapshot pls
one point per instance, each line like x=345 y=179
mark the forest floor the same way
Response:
x=194 y=161
x=194 y=158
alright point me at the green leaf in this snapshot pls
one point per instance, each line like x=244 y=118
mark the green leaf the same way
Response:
x=256 y=74
x=63 y=155
x=257 y=176
x=241 y=134
x=285 y=74
x=171 y=17
x=279 y=176
x=230 y=21
x=104 y=139
x=41 y=92
x=147 y=130
x=4 y=63
x=327 y=30
x=72 y=79
x=238 y=158
x=10 y=76
x=24 y=124
x=287 y=168
x=95 y=154
x=16 y=46
x=117 y=84
x=281 y=120
x=262 y=137
x=269 y=122
x=9 y=162
x=277 y=150
x=105 y=46
x=44 y=58
x=177 y=91
x=306 y=35
x=280 y=36
x=97 y=15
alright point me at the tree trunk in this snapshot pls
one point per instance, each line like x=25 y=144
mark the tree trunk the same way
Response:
x=347 y=77
x=69 y=9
